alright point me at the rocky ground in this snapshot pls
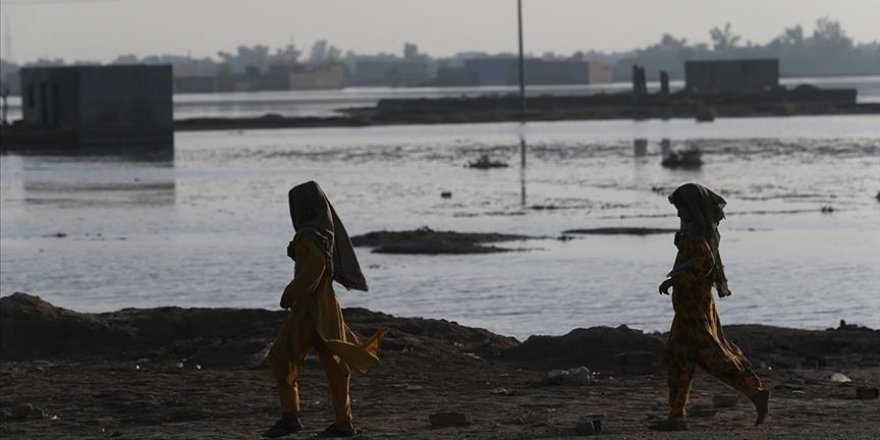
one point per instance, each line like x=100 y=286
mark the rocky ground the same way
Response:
x=196 y=373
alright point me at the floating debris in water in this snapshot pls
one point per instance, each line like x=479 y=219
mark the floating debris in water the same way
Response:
x=688 y=159
x=484 y=163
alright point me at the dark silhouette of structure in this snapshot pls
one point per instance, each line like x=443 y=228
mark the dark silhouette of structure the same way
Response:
x=731 y=76
x=74 y=106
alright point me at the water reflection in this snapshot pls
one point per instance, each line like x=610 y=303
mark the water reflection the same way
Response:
x=141 y=177
x=640 y=147
x=523 y=148
x=665 y=147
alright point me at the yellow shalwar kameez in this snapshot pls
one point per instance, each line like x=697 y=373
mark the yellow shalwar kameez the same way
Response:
x=316 y=323
x=696 y=337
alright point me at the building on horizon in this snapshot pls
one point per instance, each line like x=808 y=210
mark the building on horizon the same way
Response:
x=318 y=77
x=393 y=72
x=493 y=71
x=731 y=75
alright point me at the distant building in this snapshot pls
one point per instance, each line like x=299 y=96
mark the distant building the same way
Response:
x=505 y=71
x=195 y=83
x=455 y=77
x=93 y=105
x=277 y=77
x=390 y=72
x=727 y=76
x=318 y=78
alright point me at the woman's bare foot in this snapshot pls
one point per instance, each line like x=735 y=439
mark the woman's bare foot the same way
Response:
x=762 y=405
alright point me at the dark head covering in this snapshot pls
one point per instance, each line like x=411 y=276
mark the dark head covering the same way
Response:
x=313 y=216
x=706 y=210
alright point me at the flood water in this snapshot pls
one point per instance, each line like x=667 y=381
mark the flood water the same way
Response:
x=210 y=225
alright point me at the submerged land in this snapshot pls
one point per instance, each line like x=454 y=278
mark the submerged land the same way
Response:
x=173 y=372
x=549 y=108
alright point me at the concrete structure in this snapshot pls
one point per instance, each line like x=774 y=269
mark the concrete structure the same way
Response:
x=731 y=76
x=95 y=105
x=505 y=71
x=391 y=72
x=318 y=78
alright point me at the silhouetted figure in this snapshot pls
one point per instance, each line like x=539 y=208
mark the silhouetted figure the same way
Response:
x=323 y=253
x=696 y=337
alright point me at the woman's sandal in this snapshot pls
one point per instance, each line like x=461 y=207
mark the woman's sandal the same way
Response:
x=283 y=427
x=334 y=431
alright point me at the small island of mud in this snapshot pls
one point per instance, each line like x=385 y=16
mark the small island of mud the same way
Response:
x=620 y=231
x=426 y=241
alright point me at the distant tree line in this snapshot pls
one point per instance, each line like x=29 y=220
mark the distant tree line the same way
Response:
x=826 y=51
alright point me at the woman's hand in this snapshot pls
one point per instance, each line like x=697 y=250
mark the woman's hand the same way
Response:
x=665 y=285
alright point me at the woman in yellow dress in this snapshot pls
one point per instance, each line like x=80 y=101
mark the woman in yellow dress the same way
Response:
x=696 y=337
x=323 y=253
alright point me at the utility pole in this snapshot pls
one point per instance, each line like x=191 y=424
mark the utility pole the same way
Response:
x=8 y=48
x=522 y=67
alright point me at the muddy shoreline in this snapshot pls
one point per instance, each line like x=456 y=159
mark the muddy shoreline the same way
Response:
x=365 y=117
x=175 y=372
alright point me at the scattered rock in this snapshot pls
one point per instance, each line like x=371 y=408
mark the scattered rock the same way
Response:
x=725 y=400
x=840 y=378
x=447 y=419
x=503 y=392
x=27 y=411
x=867 y=393
x=574 y=376
x=585 y=428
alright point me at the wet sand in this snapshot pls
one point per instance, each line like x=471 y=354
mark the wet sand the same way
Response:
x=196 y=373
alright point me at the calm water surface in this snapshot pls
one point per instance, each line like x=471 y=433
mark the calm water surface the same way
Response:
x=209 y=227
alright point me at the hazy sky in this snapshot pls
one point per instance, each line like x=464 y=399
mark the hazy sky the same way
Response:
x=102 y=29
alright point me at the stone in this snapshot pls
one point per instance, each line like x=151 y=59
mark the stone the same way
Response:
x=22 y=411
x=502 y=392
x=840 y=378
x=446 y=419
x=585 y=428
x=867 y=393
x=27 y=411
x=725 y=400
x=574 y=376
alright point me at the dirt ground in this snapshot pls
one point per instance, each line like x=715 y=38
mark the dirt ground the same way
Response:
x=428 y=366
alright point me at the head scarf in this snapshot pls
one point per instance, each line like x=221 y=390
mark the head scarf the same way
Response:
x=313 y=216
x=706 y=209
